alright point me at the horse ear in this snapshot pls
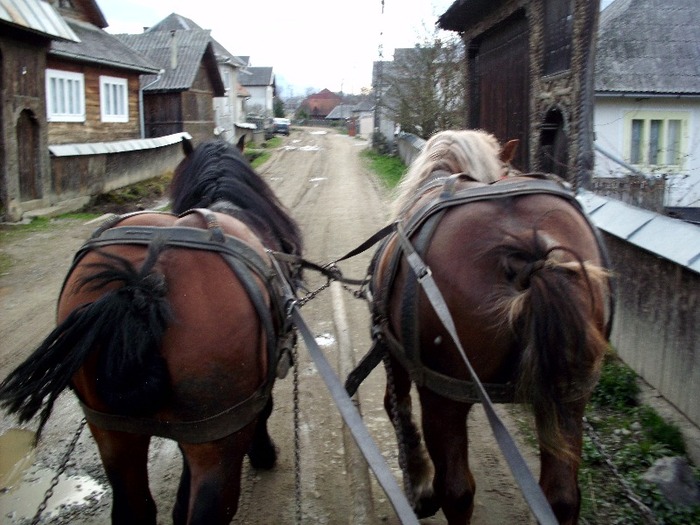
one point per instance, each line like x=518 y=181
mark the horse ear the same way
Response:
x=241 y=143
x=187 y=147
x=508 y=150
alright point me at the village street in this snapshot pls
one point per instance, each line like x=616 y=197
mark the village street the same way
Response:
x=321 y=178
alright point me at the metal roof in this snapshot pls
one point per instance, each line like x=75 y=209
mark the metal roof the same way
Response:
x=672 y=239
x=37 y=17
x=98 y=46
x=119 y=146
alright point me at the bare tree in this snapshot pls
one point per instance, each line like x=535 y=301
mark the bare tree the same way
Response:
x=423 y=88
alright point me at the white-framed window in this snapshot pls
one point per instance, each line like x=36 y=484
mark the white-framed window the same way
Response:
x=65 y=96
x=114 y=99
x=656 y=138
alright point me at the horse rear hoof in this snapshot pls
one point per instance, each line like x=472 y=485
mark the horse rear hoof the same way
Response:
x=426 y=507
x=263 y=457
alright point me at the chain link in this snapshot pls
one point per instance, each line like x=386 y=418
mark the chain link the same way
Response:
x=297 y=443
x=61 y=469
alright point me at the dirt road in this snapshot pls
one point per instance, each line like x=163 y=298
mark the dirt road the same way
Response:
x=322 y=180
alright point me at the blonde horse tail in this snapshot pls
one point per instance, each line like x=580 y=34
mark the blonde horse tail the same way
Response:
x=551 y=304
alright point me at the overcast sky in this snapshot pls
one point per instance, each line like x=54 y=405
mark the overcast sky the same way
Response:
x=310 y=44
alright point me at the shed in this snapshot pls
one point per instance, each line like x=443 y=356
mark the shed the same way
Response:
x=530 y=77
x=180 y=98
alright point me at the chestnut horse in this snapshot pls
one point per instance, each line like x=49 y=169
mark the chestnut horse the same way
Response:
x=171 y=324
x=522 y=272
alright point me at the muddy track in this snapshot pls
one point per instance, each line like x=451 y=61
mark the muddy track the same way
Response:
x=338 y=204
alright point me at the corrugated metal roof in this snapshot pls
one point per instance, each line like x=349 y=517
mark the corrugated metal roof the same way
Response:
x=191 y=45
x=649 y=46
x=672 y=239
x=120 y=146
x=98 y=46
x=37 y=17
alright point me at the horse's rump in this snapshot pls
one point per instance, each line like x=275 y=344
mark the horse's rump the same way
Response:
x=522 y=275
x=208 y=308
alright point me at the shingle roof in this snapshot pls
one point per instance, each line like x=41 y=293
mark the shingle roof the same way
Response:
x=98 y=46
x=192 y=47
x=257 y=76
x=175 y=21
x=649 y=46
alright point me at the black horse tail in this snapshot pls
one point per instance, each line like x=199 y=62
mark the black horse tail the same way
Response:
x=551 y=308
x=126 y=325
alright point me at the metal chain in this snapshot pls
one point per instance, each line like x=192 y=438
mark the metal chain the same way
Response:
x=297 y=441
x=398 y=428
x=61 y=470
x=629 y=492
x=312 y=294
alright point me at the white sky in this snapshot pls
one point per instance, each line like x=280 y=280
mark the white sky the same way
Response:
x=310 y=44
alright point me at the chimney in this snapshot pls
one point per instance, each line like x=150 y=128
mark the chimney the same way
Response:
x=173 y=49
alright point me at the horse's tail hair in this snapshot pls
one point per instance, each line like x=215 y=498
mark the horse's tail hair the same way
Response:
x=550 y=305
x=126 y=325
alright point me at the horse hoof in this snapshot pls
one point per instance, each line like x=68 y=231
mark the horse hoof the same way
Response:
x=426 y=507
x=263 y=458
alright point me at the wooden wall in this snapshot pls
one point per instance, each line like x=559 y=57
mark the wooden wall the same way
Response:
x=93 y=129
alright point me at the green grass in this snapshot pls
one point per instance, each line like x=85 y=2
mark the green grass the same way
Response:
x=388 y=169
x=633 y=437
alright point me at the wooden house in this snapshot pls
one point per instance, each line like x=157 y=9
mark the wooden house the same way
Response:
x=27 y=28
x=180 y=97
x=529 y=72
x=92 y=86
x=229 y=114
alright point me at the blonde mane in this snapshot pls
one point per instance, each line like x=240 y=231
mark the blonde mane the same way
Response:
x=474 y=152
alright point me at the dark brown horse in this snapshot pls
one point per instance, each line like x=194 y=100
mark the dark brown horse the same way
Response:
x=172 y=325
x=522 y=272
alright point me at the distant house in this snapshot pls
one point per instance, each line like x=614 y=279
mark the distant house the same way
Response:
x=341 y=112
x=319 y=105
x=229 y=114
x=181 y=97
x=530 y=77
x=27 y=28
x=647 y=98
x=260 y=85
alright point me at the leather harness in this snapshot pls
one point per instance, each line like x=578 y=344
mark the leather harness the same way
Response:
x=250 y=269
x=420 y=228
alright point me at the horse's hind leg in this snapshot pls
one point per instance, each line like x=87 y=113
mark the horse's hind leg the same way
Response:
x=412 y=454
x=445 y=429
x=559 y=473
x=214 y=479
x=125 y=460
x=262 y=453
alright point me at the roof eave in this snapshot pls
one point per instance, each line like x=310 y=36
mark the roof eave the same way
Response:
x=91 y=60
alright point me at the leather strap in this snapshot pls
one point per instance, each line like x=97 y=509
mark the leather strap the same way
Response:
x=528 y=485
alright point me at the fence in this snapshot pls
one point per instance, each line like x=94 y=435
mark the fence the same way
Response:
x=82 y=171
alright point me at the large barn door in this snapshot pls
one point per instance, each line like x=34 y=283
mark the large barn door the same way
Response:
x=500 y=84
x=28 y=156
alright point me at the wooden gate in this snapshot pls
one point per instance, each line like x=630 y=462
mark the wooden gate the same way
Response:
x=500 y=67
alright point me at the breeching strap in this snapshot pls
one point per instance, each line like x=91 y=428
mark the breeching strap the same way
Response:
x=531 y=490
